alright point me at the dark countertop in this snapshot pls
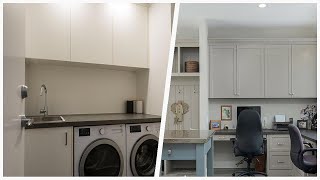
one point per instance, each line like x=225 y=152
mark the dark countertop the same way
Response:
x=309 y=134
x=187 y=136
x=97 y=119
x=233 y=132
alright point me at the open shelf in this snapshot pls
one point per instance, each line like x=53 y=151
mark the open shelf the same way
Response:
x=186 y=74
x=181 y=56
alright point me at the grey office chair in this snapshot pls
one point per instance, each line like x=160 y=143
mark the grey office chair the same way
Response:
x=306 y=162
x=249 y=141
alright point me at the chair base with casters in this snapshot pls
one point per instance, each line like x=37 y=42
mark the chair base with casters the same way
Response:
x=248 y=172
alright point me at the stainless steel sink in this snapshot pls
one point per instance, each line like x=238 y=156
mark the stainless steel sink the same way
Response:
x=42 y=119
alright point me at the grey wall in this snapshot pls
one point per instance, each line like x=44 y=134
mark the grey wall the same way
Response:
x=78 y=89
x=269 y=108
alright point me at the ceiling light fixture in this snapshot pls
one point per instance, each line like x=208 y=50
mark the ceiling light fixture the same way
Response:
x=262 y=5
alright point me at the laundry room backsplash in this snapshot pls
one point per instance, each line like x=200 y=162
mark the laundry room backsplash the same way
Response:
x=269 y=107
x=78 y=89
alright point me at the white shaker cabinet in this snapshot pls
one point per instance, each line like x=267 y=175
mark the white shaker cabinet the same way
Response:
x=304 y=71
x=222 y=80
x=48 y=31
x=250 y=72
x=49 y=152
x=91 y=33
x=130 y=37
x=277 y=71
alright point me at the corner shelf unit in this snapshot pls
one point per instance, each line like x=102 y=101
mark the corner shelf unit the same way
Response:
x=181 y=55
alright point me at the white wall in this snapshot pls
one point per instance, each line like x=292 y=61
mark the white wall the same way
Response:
x=13 y=77
x=269 y=107
x=159 y=41
x=78 y=89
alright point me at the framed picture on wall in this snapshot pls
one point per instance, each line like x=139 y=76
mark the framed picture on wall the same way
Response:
x=302 y=124
x=226 y=112
x=215 y=125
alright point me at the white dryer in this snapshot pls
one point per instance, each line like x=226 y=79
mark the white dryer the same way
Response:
x=100 y=150
x=142 y=148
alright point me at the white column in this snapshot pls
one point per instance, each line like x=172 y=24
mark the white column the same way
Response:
x=204 y=76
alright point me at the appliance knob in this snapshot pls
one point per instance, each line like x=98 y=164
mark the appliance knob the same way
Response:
x=101 y=131
x=148 y=128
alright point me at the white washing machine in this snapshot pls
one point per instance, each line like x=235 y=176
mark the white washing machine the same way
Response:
x=142 y=148
x=100 y=150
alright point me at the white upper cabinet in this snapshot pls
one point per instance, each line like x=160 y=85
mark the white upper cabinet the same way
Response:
x=91 y=33
x=130 y=37
x=222 y=72
x=277 y=71
x=304 y=71
x=250 y=78
x=88 y=33
x=48 y=31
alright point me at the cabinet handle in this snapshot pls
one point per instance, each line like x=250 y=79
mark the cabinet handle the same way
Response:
x=280 y=161
x=280 y=143
x=66 y=138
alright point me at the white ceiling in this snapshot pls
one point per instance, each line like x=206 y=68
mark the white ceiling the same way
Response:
x=247 y=20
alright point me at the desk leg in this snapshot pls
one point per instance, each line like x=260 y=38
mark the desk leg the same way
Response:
x=200 y=160
x=210 y=160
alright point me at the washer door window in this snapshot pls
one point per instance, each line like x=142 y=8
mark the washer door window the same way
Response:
x=143 y=156
x=102 y=157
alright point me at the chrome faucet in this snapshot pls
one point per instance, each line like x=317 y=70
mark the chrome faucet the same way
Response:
x=44 y=110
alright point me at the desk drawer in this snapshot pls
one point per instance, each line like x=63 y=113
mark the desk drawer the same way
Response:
x=279 y=142
x=279 y=160
x=279 y=173
x=223 y=137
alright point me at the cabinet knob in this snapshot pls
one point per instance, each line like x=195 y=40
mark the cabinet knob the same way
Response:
x=169 y=151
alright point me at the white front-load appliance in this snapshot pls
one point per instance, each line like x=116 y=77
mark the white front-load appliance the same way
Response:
x=100 y=150
x=142 y=146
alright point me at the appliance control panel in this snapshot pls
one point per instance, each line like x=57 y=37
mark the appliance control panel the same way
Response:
x=84 y=132
x=135 y=128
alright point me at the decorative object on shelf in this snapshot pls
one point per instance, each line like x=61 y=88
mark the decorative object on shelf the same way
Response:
x=226 y=112
x=308 y=114
x=302 y=124
x=215 y=125
x=179 y=109
x=192 y=66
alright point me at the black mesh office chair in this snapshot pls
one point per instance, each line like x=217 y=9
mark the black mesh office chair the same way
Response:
x=249 y=141
x=302 y=160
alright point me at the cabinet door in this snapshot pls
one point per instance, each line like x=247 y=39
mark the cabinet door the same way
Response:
x=48 y=31
x=49 y=152
x=277 y=71
x=250 y=72
x=222 y=72
x=304 y=71
x=130 y=37
x=91 y=33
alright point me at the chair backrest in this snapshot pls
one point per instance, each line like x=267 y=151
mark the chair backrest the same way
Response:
x=296 y=145
x=249 y=132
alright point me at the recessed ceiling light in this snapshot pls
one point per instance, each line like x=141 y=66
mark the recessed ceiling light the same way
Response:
x=262 y=5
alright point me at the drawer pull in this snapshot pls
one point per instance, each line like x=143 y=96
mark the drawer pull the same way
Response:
x=280 y=143
x=280 y=161
x=169 y=151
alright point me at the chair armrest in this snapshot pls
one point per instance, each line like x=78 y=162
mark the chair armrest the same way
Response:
x=309 y=145
x=306 y=150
